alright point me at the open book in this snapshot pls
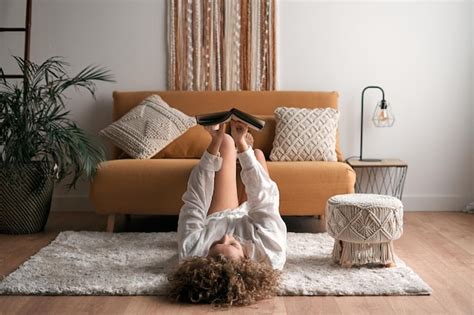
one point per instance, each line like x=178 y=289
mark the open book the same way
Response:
x=222 y=117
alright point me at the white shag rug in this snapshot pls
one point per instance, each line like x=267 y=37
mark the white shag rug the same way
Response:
x=99 y=263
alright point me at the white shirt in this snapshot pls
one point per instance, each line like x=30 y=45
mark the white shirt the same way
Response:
x=256 y=223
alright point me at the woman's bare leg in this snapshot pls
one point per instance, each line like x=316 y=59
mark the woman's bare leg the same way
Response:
x=225 y=185
x=261 y=159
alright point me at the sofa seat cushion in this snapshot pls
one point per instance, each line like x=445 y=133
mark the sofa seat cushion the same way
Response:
x=305 y=186
x=156 y=186
x=132 y=186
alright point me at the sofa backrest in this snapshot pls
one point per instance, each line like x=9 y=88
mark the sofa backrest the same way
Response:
x=261 y=103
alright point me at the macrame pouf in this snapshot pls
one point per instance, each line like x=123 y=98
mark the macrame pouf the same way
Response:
x=364 y=226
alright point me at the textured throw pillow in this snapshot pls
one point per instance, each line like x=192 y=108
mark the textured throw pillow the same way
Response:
x=304 y=134
x=148 y=128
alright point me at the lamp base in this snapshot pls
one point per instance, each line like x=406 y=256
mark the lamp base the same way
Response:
x=370 y=160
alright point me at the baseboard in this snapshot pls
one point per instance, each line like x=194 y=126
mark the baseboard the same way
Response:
x=410 y=202
x=435 y=202
x=71 y=203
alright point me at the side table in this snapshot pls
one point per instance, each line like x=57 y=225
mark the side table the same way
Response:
x=385 y=177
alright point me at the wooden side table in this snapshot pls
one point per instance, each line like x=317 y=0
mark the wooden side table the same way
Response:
x=386 y=177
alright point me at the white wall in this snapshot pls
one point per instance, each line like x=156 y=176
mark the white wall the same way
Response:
x=421 y=53
x=472 y=100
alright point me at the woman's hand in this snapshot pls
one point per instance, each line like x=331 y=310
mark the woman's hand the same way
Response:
x=239 y=132
x=217 y=135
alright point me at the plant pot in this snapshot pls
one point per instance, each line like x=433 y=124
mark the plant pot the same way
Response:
x=25 y=198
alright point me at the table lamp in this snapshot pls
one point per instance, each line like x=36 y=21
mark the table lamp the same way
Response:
x=382 y=117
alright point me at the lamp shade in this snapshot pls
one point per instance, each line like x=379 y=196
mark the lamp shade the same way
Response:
x=383 y=115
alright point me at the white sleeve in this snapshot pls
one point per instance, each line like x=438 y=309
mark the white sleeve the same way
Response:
x=197 y=200
x=263 y=200
x=262 y=191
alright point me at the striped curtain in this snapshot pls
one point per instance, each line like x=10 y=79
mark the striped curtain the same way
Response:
x=221 y=45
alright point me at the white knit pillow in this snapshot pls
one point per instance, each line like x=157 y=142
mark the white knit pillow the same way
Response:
x=148 y=128
x=304 y=134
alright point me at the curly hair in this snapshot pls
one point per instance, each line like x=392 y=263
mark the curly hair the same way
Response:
x=222 y=281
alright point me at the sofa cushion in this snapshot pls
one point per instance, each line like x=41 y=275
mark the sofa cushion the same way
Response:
x=198 y=102
x=194 y=141
x=153 y=186
x=304 y=134
x=148 y=128
x=305 y=186
x=191 y=144
x=157 y=185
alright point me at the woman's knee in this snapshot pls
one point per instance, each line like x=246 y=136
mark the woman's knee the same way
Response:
x=259 y=154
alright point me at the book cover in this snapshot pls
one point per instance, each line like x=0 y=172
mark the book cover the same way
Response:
x=225 y=116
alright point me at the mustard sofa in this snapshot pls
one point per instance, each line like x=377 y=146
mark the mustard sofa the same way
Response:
x=155 y=186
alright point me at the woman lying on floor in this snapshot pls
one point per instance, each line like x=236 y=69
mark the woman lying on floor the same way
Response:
x=229 y=252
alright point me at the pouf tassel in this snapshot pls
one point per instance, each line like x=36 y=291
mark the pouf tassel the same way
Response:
x=349 y=254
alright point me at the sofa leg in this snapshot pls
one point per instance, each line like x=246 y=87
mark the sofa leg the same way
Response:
x=110 y=223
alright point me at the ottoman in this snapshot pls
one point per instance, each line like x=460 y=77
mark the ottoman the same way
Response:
x=364 y=226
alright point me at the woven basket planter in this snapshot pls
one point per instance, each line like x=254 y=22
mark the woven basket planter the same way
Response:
x=25 y=198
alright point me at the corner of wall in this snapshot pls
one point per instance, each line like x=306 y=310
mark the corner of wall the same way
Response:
x=472 y=100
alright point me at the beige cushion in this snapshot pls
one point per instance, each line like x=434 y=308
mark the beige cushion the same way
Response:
x=148 y=128
x=304 y=134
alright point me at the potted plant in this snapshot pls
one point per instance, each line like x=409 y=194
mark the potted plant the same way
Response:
x=39 y=144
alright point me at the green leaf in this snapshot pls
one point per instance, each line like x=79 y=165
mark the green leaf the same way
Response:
x=34 y=122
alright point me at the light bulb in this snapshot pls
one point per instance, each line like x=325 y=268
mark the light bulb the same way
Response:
x=383 y=115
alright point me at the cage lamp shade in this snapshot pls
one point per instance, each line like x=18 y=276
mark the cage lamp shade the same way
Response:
x=383 y=115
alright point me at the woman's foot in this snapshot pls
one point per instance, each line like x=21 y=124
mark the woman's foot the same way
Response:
x=249 y=139
x=239 y=132
x=217 y=133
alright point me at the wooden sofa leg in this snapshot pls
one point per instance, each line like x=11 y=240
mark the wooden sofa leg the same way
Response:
x=110 y=223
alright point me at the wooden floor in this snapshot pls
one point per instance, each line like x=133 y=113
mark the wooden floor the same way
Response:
x=439 y=246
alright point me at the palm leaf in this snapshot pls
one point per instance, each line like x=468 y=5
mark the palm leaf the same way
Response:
x=34 y=122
